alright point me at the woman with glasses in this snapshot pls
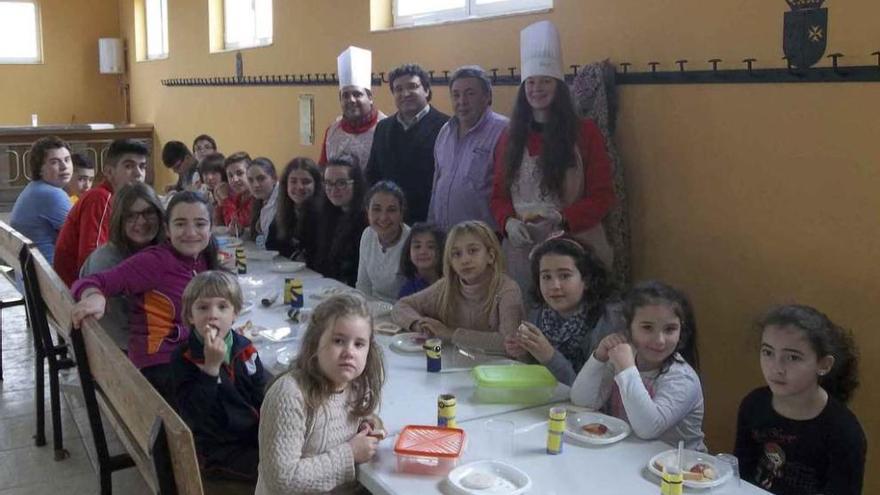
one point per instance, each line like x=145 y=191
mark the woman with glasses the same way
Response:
x=135 y=224
x=293 y=232
x=342 y=221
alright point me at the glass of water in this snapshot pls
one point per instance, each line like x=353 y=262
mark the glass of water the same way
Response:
x=733 y=462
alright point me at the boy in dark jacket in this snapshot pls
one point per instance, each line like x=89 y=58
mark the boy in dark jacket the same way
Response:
x=219 y=380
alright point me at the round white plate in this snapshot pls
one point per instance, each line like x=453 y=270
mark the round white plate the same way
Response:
x=229 y=242
x=618 y=429
x=261 y=255
x=404 y=342
x=506 y=479
x=283 y=357
x=288 y=266
x=379 y=308
x=688 y=459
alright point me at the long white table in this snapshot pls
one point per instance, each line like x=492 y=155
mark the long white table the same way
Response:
x=410 y=397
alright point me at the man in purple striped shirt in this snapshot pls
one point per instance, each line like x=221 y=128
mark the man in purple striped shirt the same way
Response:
x=465 y=152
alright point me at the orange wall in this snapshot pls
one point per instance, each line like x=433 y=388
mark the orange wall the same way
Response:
x=66 y=87
x=743 y=195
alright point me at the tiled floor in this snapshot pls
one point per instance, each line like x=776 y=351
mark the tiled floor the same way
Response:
x=24 y=468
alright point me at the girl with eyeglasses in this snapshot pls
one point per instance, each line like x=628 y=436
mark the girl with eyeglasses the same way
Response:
x=343 y=220
x=135 y=224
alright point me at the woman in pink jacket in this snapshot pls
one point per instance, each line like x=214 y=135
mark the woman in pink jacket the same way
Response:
x=154 y=280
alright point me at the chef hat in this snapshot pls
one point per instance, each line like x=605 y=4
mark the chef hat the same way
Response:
x=354 y=67
x=540 y=51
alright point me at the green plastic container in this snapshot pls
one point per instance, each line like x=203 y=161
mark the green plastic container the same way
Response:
x=518 y=384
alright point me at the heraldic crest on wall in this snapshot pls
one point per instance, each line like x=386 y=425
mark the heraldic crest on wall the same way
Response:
x=805 y=32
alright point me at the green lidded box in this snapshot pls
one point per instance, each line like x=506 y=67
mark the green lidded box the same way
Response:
x=517 y=384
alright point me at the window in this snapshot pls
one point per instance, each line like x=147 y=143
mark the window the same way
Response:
x=19 y=32
x=247 y=23
x=156 y=16
x=415 y=12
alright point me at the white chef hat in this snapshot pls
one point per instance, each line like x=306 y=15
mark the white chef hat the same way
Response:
x=540 y=51
x=354 y=67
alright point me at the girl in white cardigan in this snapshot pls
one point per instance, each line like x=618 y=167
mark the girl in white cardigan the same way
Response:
x=382 y=242
x=646 y=375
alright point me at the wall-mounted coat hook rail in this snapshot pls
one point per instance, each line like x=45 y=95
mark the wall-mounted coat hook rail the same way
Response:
x=750 y=72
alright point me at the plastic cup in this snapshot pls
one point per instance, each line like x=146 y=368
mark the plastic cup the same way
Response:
x=733 y=462
x=499 y=435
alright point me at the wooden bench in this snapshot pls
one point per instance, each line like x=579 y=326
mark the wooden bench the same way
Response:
x=156 y=439
x=15 y=251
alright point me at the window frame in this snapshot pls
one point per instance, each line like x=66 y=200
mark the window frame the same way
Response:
x=163 y=4
x=254 y=42
x=470 y=11
x=38 y=35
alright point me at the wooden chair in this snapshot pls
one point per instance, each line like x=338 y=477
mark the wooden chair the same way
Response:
x=156 y=439
x=45 y=347
x=11 y=244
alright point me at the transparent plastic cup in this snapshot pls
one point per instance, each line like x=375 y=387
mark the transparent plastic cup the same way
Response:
x=499 y=438
x=733 y=462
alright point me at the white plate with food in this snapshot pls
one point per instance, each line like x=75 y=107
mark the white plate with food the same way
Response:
x=596 y=428
x=488 y=478
x=250 y=331
x=409 y=342
x=261 y=255
x=387 y=328
x=228 y=242
x=280 y=334
x=701 y=470
x=288 y=266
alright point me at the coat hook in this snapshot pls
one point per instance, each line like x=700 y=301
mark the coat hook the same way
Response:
x=877 y=54
x=512 y=72
x=790 y=66
x=431 y=76
x=681 y=63
x=575 y=68
x=446 y=75
x=834 y=57
x=653 y=66
x=309 y=77
x=749 y=62
x=495 y=72
x=625 y=66
x=382 y=77
x=715 y=62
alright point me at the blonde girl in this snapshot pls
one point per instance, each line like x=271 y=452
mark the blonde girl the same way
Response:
x=317 y=420
x=475 y=305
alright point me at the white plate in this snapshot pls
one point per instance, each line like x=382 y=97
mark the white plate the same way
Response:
x=252 y=332
x=379 y=308
x=261 y=255
x=328 y=292
x=618 y=429
x=280 y=334
x=228 y=242
x=508 y=480
x=284 y=356
x=404 y=342
x=387 y=328
x=688 y=459
x=288 y=266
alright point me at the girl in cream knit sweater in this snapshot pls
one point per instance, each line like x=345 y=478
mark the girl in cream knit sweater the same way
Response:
x=317 y=419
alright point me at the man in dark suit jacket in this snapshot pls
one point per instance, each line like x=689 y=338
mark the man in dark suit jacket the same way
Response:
x=403 y=145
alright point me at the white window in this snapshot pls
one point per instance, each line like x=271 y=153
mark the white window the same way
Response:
x=19 y=32
x=415 y=12
x=157 y=28
x=247 y=23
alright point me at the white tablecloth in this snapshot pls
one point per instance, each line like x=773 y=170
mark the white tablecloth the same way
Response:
x=410 y=397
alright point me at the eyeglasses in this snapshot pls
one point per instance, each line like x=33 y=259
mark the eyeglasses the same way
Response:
x=150 y=215
x=338 y=184
x=407 y=87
